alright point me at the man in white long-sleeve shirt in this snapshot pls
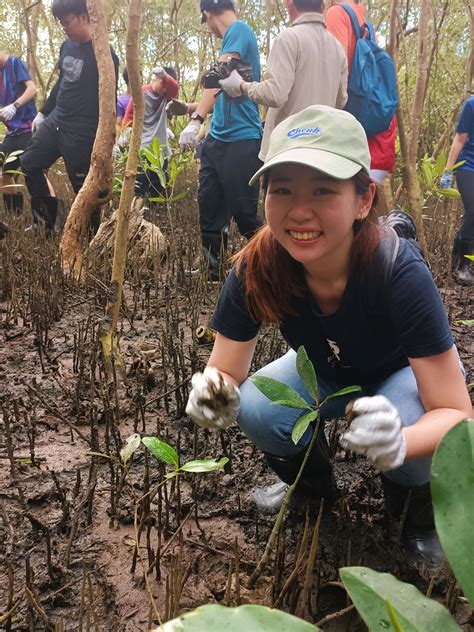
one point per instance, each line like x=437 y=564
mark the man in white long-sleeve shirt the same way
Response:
x=306 y=66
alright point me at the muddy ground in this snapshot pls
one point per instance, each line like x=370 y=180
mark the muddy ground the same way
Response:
x=67 y=533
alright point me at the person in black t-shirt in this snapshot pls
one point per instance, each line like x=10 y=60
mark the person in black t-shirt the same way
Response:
x=314 y=270
x=66 y=125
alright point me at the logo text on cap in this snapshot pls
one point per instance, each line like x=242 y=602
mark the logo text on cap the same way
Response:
x=296 y=132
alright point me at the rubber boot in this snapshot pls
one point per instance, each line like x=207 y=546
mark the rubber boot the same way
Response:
x=419 y=535
x=214 y=246
x=13 y=202
x=463 y=274
x=45 y=210
x=455 y=254
x=316 y=482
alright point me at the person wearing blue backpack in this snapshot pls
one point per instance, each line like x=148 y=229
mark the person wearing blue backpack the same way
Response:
x=345 y=21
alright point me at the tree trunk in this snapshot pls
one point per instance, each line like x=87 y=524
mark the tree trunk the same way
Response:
x=97 y=187
x=108 y=329
x=409 y=137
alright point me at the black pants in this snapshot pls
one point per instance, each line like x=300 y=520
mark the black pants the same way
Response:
x=465 y=182
x=147 y=181
x=50 y=143
x=11 y=143
x=224 y=192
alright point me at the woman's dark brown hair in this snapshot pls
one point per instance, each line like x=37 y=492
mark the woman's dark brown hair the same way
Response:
x=273 y=278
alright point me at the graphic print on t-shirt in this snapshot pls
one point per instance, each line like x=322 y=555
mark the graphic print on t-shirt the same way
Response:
x=335 y=358
x=72 y=68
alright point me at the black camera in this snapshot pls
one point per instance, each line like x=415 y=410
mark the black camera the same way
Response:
x=222 y=69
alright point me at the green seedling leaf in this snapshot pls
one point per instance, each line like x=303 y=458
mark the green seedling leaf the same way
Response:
x=370 y=591
x=302 y=424
x=132 y=443
x=470 y=257
x=307 y=373
x=207 y=465
x=347 y=390
x=452 y=489
x=249 y=617
x=161 y=450
x=393 y=618
x=291 y=404
x=457 y=165
x=468 y=323
x=450 y=193
x=276 y=391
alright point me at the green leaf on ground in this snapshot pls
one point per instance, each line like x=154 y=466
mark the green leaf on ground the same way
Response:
x=161 y=450
x=204 y=465
x=132 y=443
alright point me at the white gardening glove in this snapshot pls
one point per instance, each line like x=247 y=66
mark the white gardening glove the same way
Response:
x=116 y=150
x=187 y=138
x=175 y=107
x=37 y=121
x=376 y=431
x=169 y=134
x=231 y=85
x=212 y=403
x=8 y=112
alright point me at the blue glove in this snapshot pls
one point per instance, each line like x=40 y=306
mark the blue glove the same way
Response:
x=446 y=180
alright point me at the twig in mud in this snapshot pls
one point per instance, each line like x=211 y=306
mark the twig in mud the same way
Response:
x=170 y=541
x=308 y=580
x=334 y=615
x=77 y=513
x=168 y=392
x=57 y=414
x=281 y=514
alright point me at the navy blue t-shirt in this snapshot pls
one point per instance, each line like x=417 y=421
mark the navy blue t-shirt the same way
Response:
x=73 y=103
x=362 y=342
x=466 y=126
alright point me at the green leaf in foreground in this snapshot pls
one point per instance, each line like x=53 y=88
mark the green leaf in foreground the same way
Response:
x=252 y=618
x=347 y=390
x=302 y=424
x=276 y=391
x=307 y=373
x=452 y=489
x=161 y=450
x=370 y=591
x=132 y=443
x=205 y=465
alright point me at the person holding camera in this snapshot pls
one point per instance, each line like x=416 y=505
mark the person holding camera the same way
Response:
x=230 y=151
x=306 y=66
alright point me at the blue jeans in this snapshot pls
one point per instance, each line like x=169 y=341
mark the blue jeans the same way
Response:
x=269 y=426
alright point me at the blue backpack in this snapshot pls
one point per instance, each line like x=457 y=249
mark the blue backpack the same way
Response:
x=372 y=87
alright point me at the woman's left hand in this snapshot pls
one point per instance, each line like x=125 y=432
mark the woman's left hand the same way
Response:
x=376 y=432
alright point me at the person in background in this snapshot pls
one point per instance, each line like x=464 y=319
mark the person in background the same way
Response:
x=122 y=101
x=162 y=88
x=17 y=112
x=381 y=146
x=66 y=124
x=315 y=271
x=230 y=150
x=462 y=150
x=306 y=66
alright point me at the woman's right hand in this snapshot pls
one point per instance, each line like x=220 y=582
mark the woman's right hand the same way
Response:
x=213 y=403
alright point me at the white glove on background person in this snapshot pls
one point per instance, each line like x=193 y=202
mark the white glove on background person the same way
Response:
x=8 y=112
x=37 y=121
x=231 y=84
x=169 y=134
x=212 y=403
x=187 y=138
x=376 y=432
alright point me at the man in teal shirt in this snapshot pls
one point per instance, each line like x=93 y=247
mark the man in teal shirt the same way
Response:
x=230 y=152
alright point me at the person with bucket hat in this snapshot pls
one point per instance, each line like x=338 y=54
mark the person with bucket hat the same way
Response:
x=316 y=270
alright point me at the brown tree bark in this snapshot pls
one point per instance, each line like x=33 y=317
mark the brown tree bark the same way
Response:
x=409 y=133
x=97 y=187
x=108 y=329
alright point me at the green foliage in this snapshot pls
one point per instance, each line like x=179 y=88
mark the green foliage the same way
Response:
x=161 y=450
x=133 y=442
x=372 y=591
x=249 y=617
x=284 y=395
x=452 y=488
x=431 y=171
